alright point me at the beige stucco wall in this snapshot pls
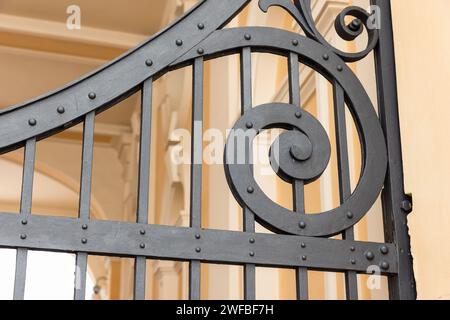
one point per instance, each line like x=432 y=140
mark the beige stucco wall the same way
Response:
x=423 y=68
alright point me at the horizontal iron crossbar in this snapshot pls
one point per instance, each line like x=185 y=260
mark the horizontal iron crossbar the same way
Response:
x=173 y=243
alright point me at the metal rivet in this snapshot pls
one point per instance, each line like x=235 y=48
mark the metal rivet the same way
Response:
x=370 y=255
x=149 y=62
x=298 y=114
x=250 y=190
x=384 y=265
x=340 y=68
x=84 y=241
x=353 y=261
x=179 y=42
x=300 y=152
x=24 y=222
x=23 y=236
x=406 y=206
x=142 y=245
x=84 y=227
x=247 y=36
x=295 y=42
x=384 y=250
x=249 y=125
x=200 y=26
x=350 y=215
x=200 y=51
x=251 y=240
x=303 y=245
x=61 y=110
x=352 y=249
x=197 y=236
x=92 y=95
x=142 y=232
x=302 y=225
x=32 y=122
x=198 y=250
x=355 y=25
x=251 y=254
x=326 y=57
x=304 y=258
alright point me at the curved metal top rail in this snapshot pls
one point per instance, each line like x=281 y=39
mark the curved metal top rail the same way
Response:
x=117 y=80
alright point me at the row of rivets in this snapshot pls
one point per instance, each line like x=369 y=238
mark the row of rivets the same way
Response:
x=198 y=237
x=142 y=232
x=92 y=95
x=326 y=57
x=355 y=25
x=369 y=254
x=252 y=241
x=303 y=246
x=353 y=249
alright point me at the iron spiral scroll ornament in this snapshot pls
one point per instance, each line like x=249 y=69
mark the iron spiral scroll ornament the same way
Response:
x=302 y=152
x=300 y=10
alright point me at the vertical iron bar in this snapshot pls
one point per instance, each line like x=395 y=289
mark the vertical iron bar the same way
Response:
x=196 y=170
x=85 y=201
x=351 y=281
x=298 y=186
x=25 y=212
x=249 y=218
x=402 y=286
x=140 y=263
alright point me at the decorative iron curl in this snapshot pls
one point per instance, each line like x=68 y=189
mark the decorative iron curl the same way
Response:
x=300 y=10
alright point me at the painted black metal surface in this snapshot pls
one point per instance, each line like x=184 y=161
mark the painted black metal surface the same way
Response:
x=299 y=156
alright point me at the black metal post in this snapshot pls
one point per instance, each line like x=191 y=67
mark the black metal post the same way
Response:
x=396 y=205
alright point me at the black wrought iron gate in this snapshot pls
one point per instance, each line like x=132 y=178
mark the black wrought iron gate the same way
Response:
x=301 y=241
